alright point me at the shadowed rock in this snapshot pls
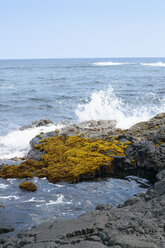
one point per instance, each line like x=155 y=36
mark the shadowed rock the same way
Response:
x=5 y=228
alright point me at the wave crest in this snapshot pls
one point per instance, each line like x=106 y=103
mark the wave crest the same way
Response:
x=105 y=105
x=109 y=63
x=159 y=64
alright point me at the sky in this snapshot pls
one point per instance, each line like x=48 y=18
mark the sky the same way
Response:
x=81 y=28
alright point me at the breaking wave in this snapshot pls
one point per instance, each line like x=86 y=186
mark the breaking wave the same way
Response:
x=105 y=105
x=109 y=63
x=16 y=143
x=159 y=64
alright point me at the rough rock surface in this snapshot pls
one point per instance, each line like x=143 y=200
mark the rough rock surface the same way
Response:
x=39 y=123
x=139 y=223
x=89 y=129
x=148 y=143
x=5 y=228
x=147 y=148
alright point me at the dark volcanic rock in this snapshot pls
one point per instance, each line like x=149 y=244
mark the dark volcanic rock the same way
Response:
x=36 y=153
x=90 y=129
x=138 y=223
x=5 y=228
x=146 y=150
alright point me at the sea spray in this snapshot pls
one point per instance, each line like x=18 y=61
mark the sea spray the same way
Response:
x=105 y=105
x=17 y=143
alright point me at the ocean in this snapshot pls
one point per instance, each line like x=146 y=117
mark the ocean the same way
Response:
x=128 y=90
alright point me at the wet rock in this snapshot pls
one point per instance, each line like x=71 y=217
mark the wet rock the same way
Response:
x=11 y=161
x=103 y=207
x=36 y=153
x=5 y=228
x=146 y=148
x=38 y=123
x=140 y=222
x=161 y=175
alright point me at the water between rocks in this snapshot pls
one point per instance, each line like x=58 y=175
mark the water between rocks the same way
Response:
x=63 y=200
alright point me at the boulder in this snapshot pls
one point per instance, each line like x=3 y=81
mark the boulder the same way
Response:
x=38 y=123
x=5 y=228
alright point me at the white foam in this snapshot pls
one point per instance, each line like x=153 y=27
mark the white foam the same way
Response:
x=34 y=200
x=7 y=86
x=3 y=186
x=109 y=63
x=10 y=197
x=159 y=64
x=59 y=200
x=104 y=105
x=59 y=185
x=16 y=143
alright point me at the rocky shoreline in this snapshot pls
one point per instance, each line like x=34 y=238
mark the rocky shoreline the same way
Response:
x=138 y=223
x=146 y=147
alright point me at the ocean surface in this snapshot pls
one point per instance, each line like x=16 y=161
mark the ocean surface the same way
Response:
x=128 y=90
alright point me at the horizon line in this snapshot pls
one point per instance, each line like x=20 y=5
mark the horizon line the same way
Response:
x=81 y=58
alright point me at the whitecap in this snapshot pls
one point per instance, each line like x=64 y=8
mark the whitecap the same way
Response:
x=109 y=63
x=157 y=64
x=7 y=86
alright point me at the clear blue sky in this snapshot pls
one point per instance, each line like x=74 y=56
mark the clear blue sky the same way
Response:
x=82 y=28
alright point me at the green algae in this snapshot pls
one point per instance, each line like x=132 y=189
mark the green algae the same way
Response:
x=69 y=158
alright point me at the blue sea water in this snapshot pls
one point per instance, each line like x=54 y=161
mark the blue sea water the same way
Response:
x=128 y=90
x=34 y=89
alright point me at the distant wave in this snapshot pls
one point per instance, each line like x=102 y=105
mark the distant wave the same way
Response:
x=159 y=64
x=109 y=63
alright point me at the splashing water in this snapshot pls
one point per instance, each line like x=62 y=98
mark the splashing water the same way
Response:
x=105 y=105
x=16 y=143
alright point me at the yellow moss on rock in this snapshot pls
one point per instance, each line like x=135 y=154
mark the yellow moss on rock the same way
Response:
x=68 y=158
x=57 y=131
x=39 y=136
x=28 y=186
x=158 y=144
